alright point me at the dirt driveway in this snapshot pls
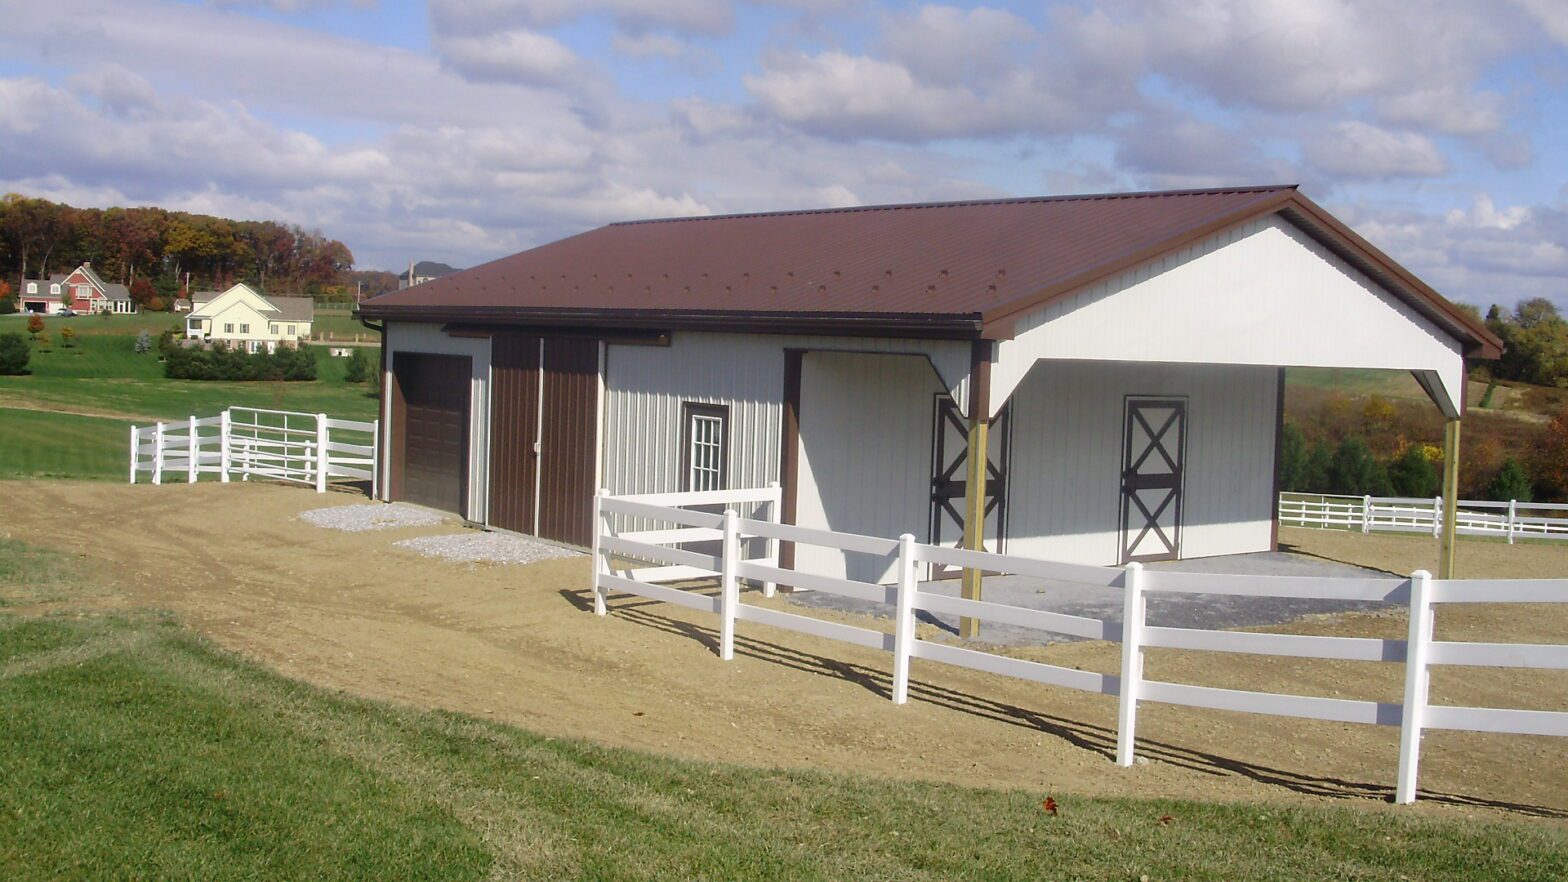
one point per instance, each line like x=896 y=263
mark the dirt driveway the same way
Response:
x=517 y=643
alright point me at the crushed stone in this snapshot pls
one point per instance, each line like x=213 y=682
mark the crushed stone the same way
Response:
x=501 y=548
x=371 y=516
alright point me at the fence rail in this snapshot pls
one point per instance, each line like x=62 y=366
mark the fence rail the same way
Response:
x=305 y=448
x=1374 y=514
x=652 y=556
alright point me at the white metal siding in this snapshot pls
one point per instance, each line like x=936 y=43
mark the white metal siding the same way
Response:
x=1064 y=495
x=412 y=337
x=1262 y=293
x=865 y=465
x=645 y=386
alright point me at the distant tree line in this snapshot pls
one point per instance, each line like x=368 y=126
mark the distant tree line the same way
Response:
x=1535 y=338
x=150 y=250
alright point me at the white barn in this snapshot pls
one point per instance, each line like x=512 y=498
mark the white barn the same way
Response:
x=1120 y=358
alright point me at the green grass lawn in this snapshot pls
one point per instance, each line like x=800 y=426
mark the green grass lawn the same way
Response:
x=41 y=444
x=133 y=749
x=103 y=374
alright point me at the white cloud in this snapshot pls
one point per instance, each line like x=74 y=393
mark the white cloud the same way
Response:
x=687 y=16
x=1482 y=254
x=517 y=56
x=945 y=44
x=1355 y=149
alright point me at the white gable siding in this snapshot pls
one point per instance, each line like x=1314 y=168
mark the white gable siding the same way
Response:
x=1262 y=293
x=1065 y=493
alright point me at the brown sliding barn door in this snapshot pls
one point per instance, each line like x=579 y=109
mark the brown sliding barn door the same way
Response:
x=568 y=429
x=1154 y=453
x=949 y=461
x=514 y=431
x=431 y=429
x=543 y=427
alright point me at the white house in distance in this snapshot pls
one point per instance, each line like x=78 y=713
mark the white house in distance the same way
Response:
x=80 y=290
x=241 y=317
x=1115 y=361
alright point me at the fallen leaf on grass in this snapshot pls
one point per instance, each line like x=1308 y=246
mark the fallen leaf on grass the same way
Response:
x=1049 y=806
x=1165 y=820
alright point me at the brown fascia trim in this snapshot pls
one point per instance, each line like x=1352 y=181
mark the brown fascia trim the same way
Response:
x=619 y=336
x=902 y=325
x=1002 y=323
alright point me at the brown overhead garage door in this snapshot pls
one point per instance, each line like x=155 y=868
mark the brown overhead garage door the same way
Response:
x=543 y=429
x=430 y=429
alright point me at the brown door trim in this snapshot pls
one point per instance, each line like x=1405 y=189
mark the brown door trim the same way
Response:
x=1132 y=480
x=789 y=453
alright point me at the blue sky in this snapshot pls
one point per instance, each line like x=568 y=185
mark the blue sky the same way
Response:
x=464 y=130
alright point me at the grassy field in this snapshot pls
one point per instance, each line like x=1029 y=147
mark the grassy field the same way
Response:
x=135 y=750
x=68 y=418
x=41 y=444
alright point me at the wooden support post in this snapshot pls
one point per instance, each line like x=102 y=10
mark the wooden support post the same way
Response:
x=1445 y=567
x=974 y=513
x=980 y=356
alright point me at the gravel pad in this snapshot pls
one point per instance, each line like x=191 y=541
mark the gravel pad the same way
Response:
x=486 y=548
x=371 y=516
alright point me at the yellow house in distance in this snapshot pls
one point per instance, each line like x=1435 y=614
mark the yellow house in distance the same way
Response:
x=241 y=317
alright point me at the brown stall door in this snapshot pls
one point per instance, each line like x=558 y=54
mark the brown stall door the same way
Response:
x=431 y=429
x=514 y=431
x=568 y=427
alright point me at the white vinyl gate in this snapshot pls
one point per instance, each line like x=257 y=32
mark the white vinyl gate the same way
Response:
x=304 y=448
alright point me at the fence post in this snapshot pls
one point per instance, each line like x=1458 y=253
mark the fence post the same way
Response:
x=1133 y=609
x=193 y=450
x=729 y=584
x=904 y=618
x=770 y=550
x=157 y=454
x=375 y=459
x=1513 y=516
x=135 y=453
x=225 y=450
x=1417 y=684
x=1437 y=516
x=1366 y=514
x=600 y=525
x=321 y=453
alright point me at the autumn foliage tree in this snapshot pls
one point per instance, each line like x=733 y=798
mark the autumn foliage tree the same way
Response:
x=131 y=244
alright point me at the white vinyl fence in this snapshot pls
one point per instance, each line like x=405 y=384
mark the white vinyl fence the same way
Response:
x=1369 y=514
x=306 y=448
x=649 y=556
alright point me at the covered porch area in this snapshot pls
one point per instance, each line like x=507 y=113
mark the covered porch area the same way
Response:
x=1133 y=419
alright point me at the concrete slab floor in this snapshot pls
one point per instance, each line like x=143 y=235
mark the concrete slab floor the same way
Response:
x=1180 y=611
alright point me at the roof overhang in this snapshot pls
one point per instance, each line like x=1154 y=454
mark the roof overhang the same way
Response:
x=914 y=326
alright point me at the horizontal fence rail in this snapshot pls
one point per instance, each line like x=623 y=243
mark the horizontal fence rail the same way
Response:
x=653 y=554
x=246 y=442
x=1390 y=514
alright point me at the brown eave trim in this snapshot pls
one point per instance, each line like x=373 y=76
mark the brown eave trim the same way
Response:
x=632 y=336
x=905 y=325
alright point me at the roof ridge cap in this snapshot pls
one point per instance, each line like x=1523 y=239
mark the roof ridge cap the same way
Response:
x=965 y=203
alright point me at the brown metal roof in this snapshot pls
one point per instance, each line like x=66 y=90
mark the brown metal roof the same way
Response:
x=935 y=269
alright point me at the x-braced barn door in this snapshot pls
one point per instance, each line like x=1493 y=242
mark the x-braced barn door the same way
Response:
x=949 y=460
x=1153 y=464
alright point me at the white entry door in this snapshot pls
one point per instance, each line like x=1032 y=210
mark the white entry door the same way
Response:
x=1154 y=453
